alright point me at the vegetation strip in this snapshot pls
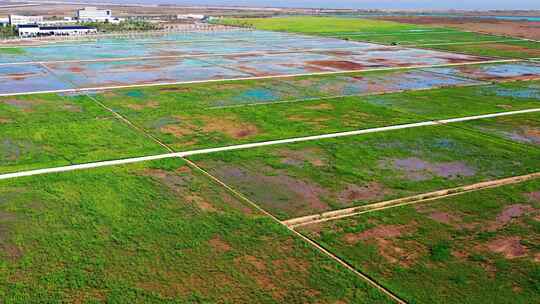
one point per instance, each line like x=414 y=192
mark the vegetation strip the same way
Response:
x=262 y=77
x=415 y=199
x=239 y=195
x=480 y=83
x=257 y=144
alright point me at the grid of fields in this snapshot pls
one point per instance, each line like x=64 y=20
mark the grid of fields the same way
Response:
x=413 y=184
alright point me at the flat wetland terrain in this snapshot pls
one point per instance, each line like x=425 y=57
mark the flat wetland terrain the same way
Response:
x=126 y=177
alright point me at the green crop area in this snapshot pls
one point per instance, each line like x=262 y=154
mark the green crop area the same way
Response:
x=11 y=51
x=326 y=25
x=387 y=32
x=523 y=128
x=154 y=233
x=48 y=130
x=480 y=247
x=463 y=101
x=308 y=178
x=336 y=186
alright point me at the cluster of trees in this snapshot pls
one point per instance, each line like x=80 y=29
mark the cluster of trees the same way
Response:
x=7 y=31
x=122 y=26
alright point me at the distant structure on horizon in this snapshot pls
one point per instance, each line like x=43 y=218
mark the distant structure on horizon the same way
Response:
x=191 y=17
x=92 y=14
x=34 y=30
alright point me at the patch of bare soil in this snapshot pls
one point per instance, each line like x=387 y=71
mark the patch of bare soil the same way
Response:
x=148 y=105
x=200 y=202
x=5 y=120
x=444 y=217
x=219 y=245
x=22 y=105
x=509 y=247
x=366 y=192
x=509 y=213
x=277 y=190
x=419 y=169
x=72 y=108
x=230 y=126
x=173 y=180
x=322 y=106
x=298 y=157
x=381 y=231
x=534 y=196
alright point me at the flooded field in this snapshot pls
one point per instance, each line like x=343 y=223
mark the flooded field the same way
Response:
x=198 y=57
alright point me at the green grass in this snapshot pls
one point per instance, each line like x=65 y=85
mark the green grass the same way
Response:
x=182 y=120
x=523 y=128
x=306 y=178
x=154 y=233
x=463 y=101
x=364 y=30
x=47 y=130
x=12 y=51
x=324 y=25
x=441 y=250
x=41 y=131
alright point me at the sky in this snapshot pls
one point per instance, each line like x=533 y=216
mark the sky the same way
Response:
x=362 y=4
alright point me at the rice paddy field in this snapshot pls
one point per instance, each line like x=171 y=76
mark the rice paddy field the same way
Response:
x=300 y=160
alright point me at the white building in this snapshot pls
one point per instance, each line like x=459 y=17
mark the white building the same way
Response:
x=4 y=21
x=32 y=30
x=191 y=17
x=92 y=14
x=16 y=20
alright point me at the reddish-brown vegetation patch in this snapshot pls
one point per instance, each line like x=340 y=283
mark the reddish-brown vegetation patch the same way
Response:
x=419 y=169
x=534 y=196
x=381 y=231
x=444 y=217
x=510 y=247
x=509 y=213
x=275 y=190
x=321 y=106
x=72 y=108
x=338 y=64
x=219 y=244
x=138 y=106
x=230 y=126
x=298 y=157
x=365 y=192
x=23 y=105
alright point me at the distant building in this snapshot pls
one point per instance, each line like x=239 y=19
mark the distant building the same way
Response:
x=16 y=20
x=92 y=14
x=191 y=17
x=33 y=30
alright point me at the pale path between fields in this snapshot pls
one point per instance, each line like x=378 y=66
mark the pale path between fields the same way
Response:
x=258 y=144
x=415 y=199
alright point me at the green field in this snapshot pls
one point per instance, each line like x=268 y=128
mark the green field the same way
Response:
x=388 y=32
x=48 y=130
x=312 y=177
x=156 y=232
x=480 y=247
